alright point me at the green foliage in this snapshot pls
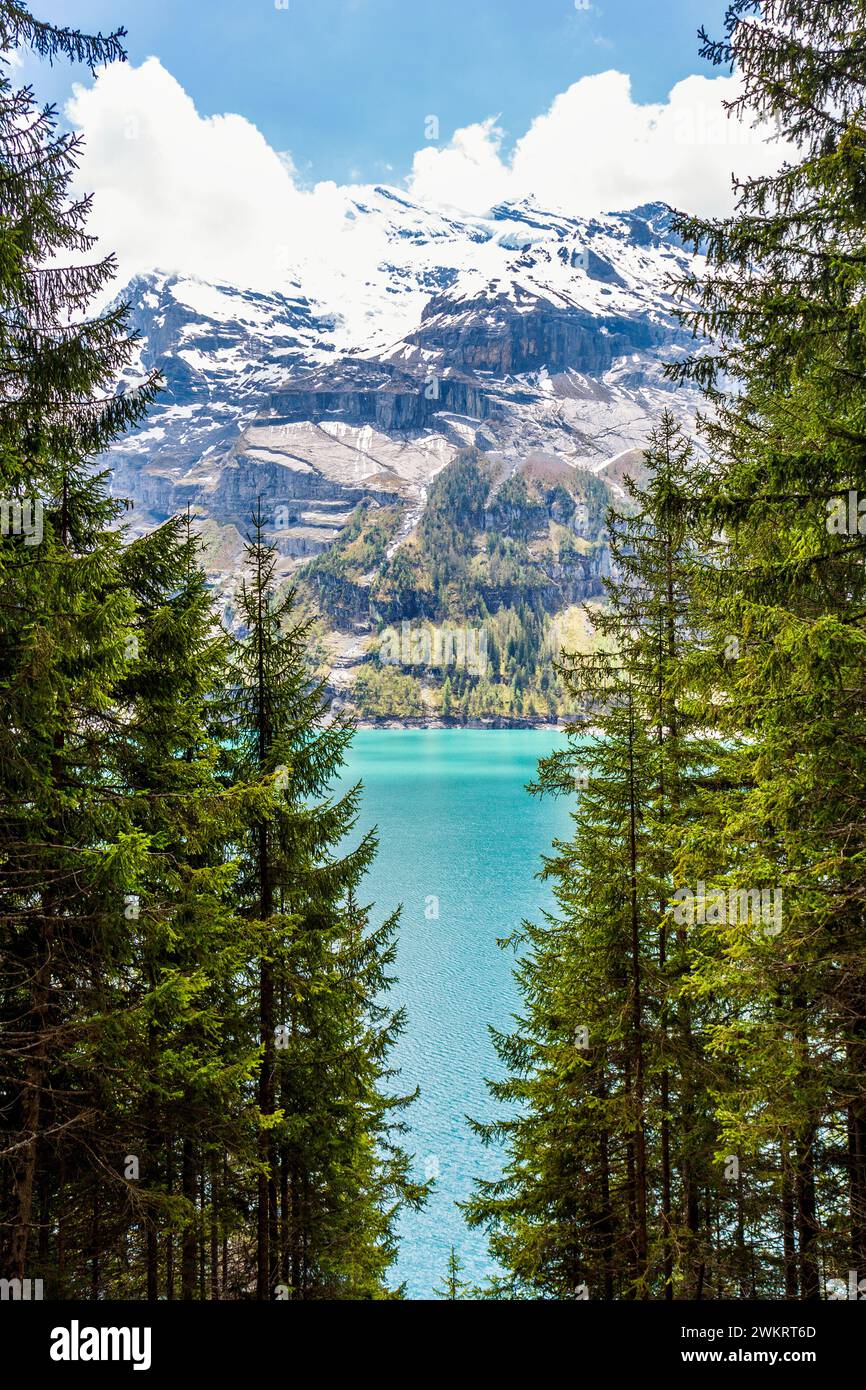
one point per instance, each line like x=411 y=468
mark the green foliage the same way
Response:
x=783 y=659
x=384 y=692
x=326 y=1128
x=707 y=1137
x=360 y=546
x=607 y=1135
x=503 y=556
x=490 y=558
x=453 y=1286
x=71 y=848
x=194 y=1031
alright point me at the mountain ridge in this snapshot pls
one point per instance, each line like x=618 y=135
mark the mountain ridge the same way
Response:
x=521 y=337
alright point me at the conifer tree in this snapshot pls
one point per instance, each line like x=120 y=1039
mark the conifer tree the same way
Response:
x=610 y=1147
x=186 y=1044
x=331 y=1179
x=195 y=1088
x=752 y=1024
x=68 y=847
x=453 y=1285
x=782 y=302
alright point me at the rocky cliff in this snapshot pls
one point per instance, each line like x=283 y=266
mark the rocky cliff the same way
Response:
x=534 y=340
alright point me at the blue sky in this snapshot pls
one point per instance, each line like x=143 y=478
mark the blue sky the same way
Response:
x=236 y=142
x=346 y=85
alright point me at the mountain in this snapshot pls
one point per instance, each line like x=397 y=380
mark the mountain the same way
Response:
x=434 y=419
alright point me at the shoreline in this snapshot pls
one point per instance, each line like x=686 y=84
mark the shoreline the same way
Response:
x=424 y=722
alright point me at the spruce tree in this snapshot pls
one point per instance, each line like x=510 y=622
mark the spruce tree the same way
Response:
x=453 y=1284
x=610 y=1148
x=195 y=1085
x=68 y=846
x=734 y=1056
x=187 y=1050
x=331 y=1178
x=782 y=301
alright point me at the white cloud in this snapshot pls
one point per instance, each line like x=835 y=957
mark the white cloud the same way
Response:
x=208 y=196
x=596 y=150
x=469 y=173
x=178 y=190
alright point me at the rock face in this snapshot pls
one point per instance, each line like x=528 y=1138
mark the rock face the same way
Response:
x=492 y=337
x=526 y=335
x=392 y=399
x=357 y=393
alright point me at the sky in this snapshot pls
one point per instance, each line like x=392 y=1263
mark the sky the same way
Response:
x=231 y=142
x=347 y=85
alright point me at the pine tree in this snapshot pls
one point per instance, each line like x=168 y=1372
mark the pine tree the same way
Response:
x=569 y=1217
x=187 y=1050
x=331 y=1179
x=68 y=846
x=611 y=1145
x=654 y=621
x=195 y=1034
x=447 y=698
x=731 y=1060
x=453 y=1285
x=783 y=302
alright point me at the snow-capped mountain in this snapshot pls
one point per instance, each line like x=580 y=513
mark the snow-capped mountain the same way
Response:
x=381 y=357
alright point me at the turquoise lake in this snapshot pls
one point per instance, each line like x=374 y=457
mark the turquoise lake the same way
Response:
x=456 y=825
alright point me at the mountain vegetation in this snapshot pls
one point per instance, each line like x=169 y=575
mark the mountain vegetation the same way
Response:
x=198 y=1098
x=685 y=1087
x=195 y=1092
x=501 y=554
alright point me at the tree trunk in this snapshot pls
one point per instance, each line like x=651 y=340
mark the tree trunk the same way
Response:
x=264 y=1282
x=94 y=1247
x=789 y=1250
x=857 y=1153
x=30 y=1103
x=266 y=1193
x=214 y=1231
x=169 y=1239
x=667 y=1252
x=189 y=1243
x=641 y=1240
x=807 y=1227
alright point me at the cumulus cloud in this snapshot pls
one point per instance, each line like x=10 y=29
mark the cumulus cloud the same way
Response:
x=596 y=150
x=178 y=190
x=207 y=195
x=469 y=173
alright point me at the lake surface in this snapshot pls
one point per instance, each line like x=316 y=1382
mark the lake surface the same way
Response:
x=459 y=836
